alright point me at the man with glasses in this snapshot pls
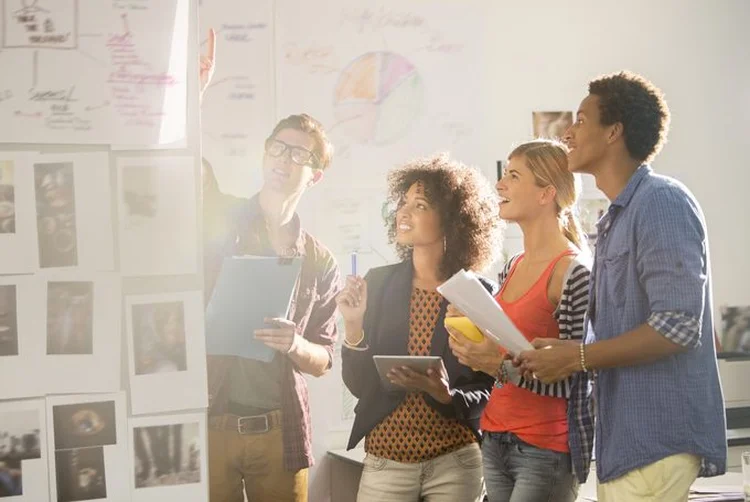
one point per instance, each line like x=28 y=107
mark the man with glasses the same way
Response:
x=259 y=420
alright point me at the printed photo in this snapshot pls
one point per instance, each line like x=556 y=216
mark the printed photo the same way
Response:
x=83 y=425
x=80 y=474
x=735 y=322
x=56 y=214
x=167 y=455
x=139 y=186
x=8 y=321
x=19 y=441
x=159 y=338
x=551 y=124
x=7 y=198
x=70 y=317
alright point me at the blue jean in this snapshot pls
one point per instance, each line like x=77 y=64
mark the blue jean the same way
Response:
x=515 y=471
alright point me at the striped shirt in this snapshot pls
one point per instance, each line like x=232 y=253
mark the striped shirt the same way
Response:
x=570 y=314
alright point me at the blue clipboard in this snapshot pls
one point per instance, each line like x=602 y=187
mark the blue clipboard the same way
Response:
x=248 y=290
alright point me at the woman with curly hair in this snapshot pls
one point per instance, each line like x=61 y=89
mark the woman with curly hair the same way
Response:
x=537 y=438
x=422 y=442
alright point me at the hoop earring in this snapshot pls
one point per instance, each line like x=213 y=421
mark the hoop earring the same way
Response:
x=445 y=244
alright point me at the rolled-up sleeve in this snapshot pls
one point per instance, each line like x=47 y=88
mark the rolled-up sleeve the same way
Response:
x=672 y=264
x=679 y=328
x=321 y=327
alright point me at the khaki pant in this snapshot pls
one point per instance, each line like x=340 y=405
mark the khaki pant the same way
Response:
x=455 y=476
x=258 y=460
x=666 y=480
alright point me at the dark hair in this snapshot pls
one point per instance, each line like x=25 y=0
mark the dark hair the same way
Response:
x=466 y=203
x=639 y=106
x=323 y=148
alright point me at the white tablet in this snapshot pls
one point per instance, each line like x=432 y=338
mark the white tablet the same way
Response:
x=420 y=364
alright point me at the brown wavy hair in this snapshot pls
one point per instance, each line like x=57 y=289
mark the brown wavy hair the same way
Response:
x=466 y=202
x=323 y=148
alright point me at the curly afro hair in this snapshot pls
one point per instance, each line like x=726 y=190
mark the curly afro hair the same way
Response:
x=466 y=202
x=639 y=106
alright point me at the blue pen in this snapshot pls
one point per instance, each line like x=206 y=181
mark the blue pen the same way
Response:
x=354 y=263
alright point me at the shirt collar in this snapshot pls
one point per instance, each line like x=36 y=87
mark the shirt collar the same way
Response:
x=623 y=199
x=254 y=218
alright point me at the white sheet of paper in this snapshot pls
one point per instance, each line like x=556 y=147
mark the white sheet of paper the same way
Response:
x=466 y=292
x=80 y=317
x=190 y=481
x=26 y=421
x=21 y=337
x=100 y=72
x=74 y=212
x=166 y=352
x=157 y=207
x=17 y=214
x=86 y=436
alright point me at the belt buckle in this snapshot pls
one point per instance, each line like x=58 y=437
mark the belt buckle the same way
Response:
x=247 y=425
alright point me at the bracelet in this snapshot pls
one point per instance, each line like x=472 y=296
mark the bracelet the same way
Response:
x=346 y=342
x=583 y=357
x=501 y=377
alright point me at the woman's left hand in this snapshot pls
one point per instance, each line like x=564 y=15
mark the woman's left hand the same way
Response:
x=434 y=383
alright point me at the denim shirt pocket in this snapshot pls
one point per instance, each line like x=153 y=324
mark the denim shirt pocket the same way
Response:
x=616 y=276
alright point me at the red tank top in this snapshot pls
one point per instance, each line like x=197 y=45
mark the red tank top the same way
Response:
x=538 y=420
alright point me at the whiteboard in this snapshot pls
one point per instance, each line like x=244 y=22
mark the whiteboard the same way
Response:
x=84 y=71
x=390 y=82
x=238 y=108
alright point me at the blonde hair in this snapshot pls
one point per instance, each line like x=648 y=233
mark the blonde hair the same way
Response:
x=547 y=160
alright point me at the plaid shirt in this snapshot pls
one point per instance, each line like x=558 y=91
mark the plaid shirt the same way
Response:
x=570 y=315
x=236 y=226
x=652 y=267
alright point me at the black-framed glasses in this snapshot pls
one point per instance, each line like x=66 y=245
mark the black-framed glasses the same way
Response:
x=300 y=156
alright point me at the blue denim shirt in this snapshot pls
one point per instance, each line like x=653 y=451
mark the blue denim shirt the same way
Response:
x=652 y=266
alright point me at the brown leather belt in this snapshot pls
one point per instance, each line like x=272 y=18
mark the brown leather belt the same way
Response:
x=256 y=424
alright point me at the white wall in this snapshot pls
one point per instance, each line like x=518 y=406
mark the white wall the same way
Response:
x=541 y=55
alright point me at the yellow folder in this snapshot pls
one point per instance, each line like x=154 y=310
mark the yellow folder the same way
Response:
x=466 y=327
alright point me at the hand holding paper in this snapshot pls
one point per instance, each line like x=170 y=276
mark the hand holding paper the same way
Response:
x=468 y=295
x=281 y=337
x=484 y=356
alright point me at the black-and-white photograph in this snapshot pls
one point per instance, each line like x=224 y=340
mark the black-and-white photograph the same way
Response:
x=80 y=474
x=84 y=425
x=8 y=321
x=70 y=317
x=56 y=214
x=167 y=455
x=159 y=338
x=139 y=188
x=7 y=198
x=735 y=322
x=19 y=441
x=551 y=124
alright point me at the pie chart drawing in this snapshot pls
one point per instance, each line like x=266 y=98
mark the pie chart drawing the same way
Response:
x=378 y=98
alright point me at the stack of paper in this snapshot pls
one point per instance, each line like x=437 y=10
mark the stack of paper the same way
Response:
x=467 y=294
x=716 y=494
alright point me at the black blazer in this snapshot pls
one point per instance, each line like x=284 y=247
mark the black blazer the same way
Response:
x=386 y=327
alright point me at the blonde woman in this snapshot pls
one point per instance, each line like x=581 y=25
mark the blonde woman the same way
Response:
x=537 y=438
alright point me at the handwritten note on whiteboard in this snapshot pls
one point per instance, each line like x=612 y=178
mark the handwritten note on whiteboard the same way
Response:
x=93 y=71
x=238 y=107
x=388 y=81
